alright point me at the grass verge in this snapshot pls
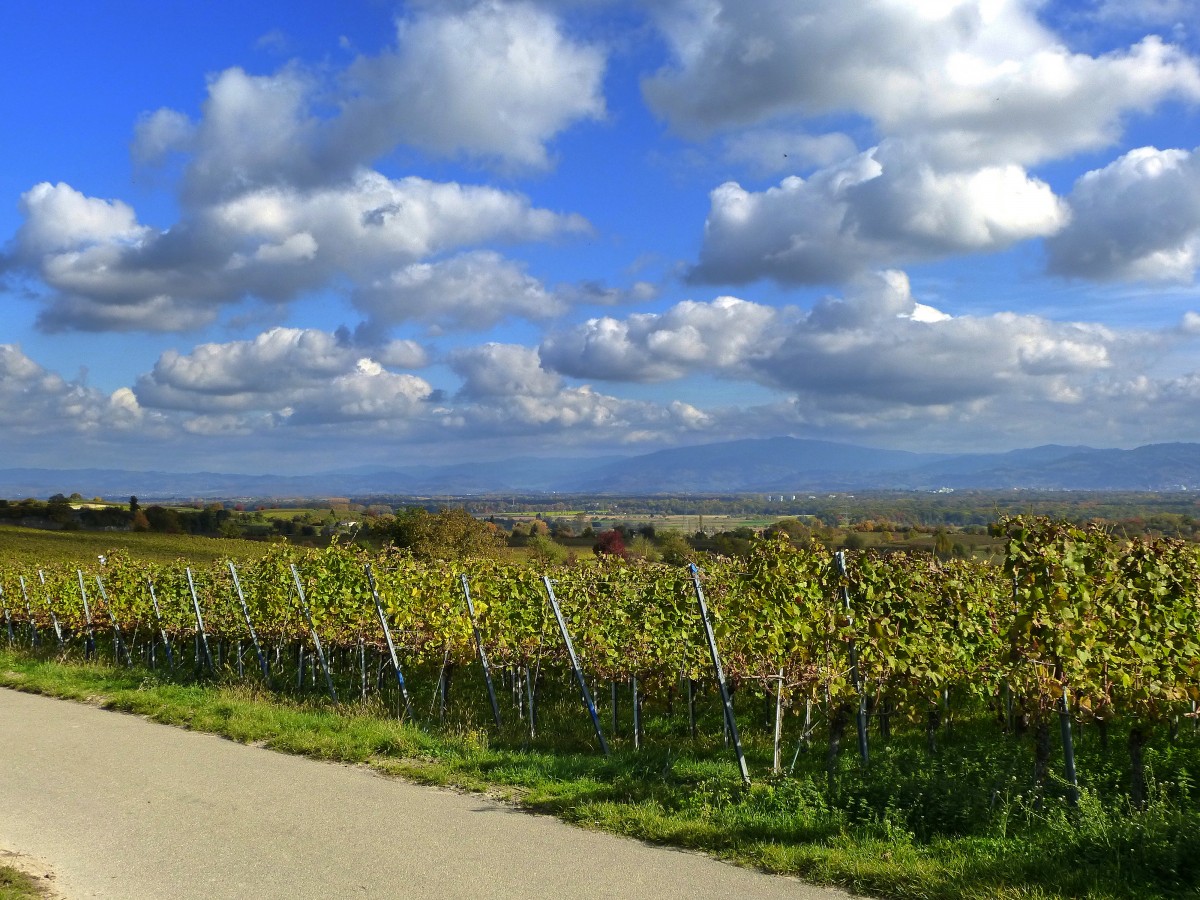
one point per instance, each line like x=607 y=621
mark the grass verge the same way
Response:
x=853 y=835
x=18 y=885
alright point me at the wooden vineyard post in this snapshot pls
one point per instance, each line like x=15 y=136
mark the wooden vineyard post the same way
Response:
x=316 y=638
x=730 y=723
x=162 y=631
x=387 y=635
x=201 y=635
x=860 y=717
x=119 y=645
x=262 y=659
x=583 y=688
x=483 y=660
x=90 y=643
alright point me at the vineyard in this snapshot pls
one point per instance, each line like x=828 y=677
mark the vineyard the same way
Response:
x=1077 y=628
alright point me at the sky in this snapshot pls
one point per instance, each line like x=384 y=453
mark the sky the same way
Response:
x=302 y=236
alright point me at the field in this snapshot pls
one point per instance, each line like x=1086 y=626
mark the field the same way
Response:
x=29 y=547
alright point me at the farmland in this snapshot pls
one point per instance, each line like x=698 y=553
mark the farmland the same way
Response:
x=957 y=677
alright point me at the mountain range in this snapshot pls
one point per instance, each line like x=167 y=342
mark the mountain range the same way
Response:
x=773 y=465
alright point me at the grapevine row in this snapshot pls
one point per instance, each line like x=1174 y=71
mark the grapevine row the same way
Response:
x=1076 y=619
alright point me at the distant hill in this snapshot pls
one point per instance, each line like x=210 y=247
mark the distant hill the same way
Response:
x=771 y=465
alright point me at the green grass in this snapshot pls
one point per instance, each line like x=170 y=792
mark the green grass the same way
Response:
x=34 y=547
x=961 y=824
x=17 y=885
x=288 y=513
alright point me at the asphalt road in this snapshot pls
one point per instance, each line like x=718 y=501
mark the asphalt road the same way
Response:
x=129 y=809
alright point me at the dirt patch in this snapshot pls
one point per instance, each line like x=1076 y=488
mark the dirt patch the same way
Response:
x=39 y=870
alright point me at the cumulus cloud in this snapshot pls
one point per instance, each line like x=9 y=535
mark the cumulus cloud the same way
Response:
x=980 y=81
x=159 y=134
x=311 y=380
x=876 y=346
x=472 y=290
x=770 y=150
x=278 y=199
x=648 y=347
x=499 y=370
x=295 y=374
x=1137 y=218
x=35 y=403
x=59 y=218
x=494 y=81
x=507 y=391
x=107 y=272
x=884 y=206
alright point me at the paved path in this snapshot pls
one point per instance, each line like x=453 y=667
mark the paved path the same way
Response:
x=129 y=809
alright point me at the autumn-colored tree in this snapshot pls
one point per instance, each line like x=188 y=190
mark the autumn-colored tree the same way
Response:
x=610 y=543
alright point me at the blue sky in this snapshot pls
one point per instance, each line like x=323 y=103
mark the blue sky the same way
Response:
x=305 y=236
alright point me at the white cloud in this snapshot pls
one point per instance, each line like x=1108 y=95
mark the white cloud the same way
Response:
x=59 y=219
x=375 y=222
x=884 y=206
x=310 y=380
x=979 y=81
x=1137 y=219
x=494 y=81
x=106 y=272
x=499 y=370
x=278 y=199
x=255 y=130
x=646 y=347
x=875 y=347
x=298 y=375
x=159 y=134
x=770 y=150
x=36 y=403
x=473 y=290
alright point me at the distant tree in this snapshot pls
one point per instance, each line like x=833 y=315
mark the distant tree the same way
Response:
x=446 y=534
x=134 y=506
x=164 y=520
x=797 y=532
x=943 y=545
x=644 y=548
x=854 y=541
x=611 y=543
x=59 y=511
x=544 y=551
x=675 y=549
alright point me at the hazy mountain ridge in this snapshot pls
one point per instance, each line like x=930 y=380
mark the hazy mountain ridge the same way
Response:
x=748 y=466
